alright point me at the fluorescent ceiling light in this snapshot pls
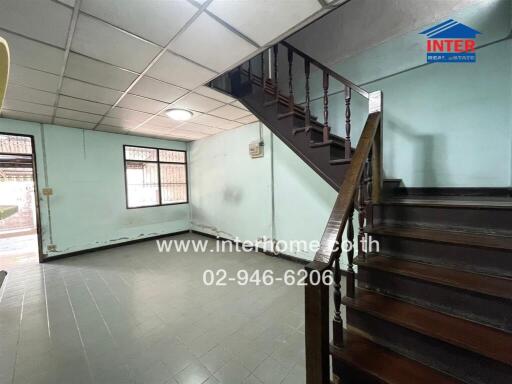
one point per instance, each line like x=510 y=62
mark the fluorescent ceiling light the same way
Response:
x=179 y=114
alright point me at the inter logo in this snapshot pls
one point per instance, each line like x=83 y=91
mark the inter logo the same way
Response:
x=451 y=42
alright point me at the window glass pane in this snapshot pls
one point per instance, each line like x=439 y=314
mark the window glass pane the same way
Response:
x=142 y=184
x=174 y=183
x=172 y=156
x=143 y=154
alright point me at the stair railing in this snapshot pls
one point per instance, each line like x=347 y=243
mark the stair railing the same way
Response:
x=360 y=190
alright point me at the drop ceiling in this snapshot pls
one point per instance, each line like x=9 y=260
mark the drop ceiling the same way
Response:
x=117 y=65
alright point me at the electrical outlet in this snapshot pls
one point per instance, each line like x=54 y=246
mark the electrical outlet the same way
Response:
x=52 y=248
x=47 y=191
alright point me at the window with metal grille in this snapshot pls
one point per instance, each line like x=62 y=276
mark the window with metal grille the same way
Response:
x=155 y=177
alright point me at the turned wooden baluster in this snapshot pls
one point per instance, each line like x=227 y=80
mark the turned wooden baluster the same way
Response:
x=348 y=96
x=326 y=107
x=350 y=255
x=369 y=187
x=276 y=85
x=337 y=323
x=308 y=100
x=361 y=220
x=262 y=63
x=291 y=103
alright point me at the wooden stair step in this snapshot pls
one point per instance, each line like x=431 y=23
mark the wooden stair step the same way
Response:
x=384 y=365
x=474 y=282
x=486 y=341
x=327 y=143
x=464 y=238
x=454 y=202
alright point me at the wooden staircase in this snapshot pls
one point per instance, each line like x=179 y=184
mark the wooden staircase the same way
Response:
x=433 y=302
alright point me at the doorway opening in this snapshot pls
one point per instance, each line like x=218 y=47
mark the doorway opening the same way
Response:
x=19 y=218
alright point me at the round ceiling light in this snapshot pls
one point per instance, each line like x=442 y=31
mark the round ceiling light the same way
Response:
x=179 y=114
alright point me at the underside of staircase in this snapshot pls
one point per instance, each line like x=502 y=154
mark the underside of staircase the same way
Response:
x=433 y=302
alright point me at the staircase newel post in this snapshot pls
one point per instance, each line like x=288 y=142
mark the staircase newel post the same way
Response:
x=308 y=110
x=291 y=103
x=316 y=295
x=337 y=322
x=326 y=107
x=348 y=144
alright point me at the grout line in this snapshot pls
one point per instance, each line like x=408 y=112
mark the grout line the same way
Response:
x=46 y=303
x=156 y=58
x=19 y=331
x=71 y=33
x=78 y=327
x=232 y=29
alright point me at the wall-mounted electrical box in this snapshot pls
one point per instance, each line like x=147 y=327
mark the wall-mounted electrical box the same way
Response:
x=256 y=149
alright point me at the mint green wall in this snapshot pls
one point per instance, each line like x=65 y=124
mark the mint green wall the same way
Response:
x=231 y=193
x=444 y=124
x=86 y=171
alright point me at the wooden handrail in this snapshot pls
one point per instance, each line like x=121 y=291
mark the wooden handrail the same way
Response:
x=331 y=73
x=344 y=202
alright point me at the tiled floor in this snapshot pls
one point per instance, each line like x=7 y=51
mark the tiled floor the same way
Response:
x=133 y=315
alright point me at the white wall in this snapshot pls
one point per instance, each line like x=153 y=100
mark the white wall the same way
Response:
x=86 y=171
x=232 y=193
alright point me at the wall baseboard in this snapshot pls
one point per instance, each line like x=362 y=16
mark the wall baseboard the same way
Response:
x=110 y=246
x=257 y=249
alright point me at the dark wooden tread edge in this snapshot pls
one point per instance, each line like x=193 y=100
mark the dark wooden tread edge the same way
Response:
x=384 y=365
x=481 y=339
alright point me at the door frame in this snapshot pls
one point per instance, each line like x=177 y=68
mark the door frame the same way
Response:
x=41 y=256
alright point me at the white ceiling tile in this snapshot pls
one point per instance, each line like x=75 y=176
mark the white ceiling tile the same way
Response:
x=23 y=106
x=181 y=72
x=158 y=90
x=34 y=55
x=74 y=123
x=156 y=21
x=212 y=93
x=91 y=92
x=203 y=129
x=188 y=135
x=239 y=105
x=142 y=104
x=248 y=119
x=26 y=116
x=210 y=43
x=110 y=128
x=264 y=20
x=96 y=72
x=229 y=112
x=33 y=78
x=43 y=20
x=70 y=3
x=163 y=122
x=128 y=115
x=76 y=115
x=102 y=41
x=216 y=122
x=117 y=122
x=19 y=92
x=197 y=102
x=83 y=105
